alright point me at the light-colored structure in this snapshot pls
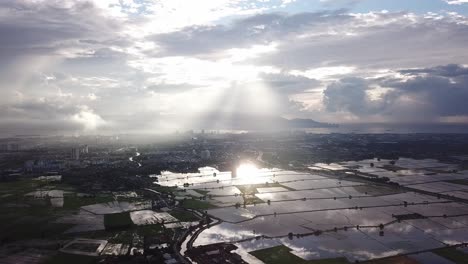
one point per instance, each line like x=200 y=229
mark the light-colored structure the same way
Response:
x=83 y=246
x=85 y=149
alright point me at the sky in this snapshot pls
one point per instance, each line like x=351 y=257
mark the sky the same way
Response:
x=94 y=66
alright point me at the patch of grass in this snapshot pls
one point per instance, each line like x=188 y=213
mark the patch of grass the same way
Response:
x=117 y=221
x=252 y=199
x=149 y=230
x=184 y=216
x=61 y=258
x=202 y=192
x=463 y=165
x=20 y=186
x=461 y=181
x=393 y=168
x=74 y=202
x=130 y=199
x=164 y=189
x=63 y=186
x=394 y=260
x=29 y=218
x=196 y=204
x=375 y=190
x=282 y=255
x=32 y=228
x=453 y=255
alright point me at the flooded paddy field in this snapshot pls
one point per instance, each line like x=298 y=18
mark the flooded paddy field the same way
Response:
x=334 y=215
x=116 y=207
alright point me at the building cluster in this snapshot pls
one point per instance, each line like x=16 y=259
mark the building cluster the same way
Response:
x=41 y=165
x=9 y=147
x=77 y=151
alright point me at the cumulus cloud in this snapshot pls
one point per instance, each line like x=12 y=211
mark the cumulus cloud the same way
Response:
x=88 y=119
x=348 y=95
x=420 y=95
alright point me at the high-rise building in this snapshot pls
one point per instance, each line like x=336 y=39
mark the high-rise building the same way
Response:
x=85 y=149
x=75 y=153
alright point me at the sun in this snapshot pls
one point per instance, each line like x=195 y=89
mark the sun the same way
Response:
x=247 y=171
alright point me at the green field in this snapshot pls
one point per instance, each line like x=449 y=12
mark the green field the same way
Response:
x=72 y=201
x=164 y=189
x=462 y=181
x=28 y=218
x=282 y=255
x=456 y=256
x=62 y=258
x=252 y=199
x=202 y=192
x=117 y=221
x=196 y=204
x=18 y=188
x=184 y=216
x=32 y=228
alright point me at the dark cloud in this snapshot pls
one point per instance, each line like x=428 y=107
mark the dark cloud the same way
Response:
x=288 y=84
x=348 y=95
x=451 y=70
x=441 y=91
x=41 y=109
x=29 y=26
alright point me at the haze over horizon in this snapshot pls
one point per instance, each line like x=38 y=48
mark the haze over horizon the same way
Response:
x=90 y=66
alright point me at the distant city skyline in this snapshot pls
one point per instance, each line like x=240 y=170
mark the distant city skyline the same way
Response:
x=92 y=66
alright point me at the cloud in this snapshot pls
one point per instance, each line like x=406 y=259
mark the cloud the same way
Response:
x=88 y=119
x=375 y=40
x=259 y=29
x=329 y=38
x=101 y=65
x=451 y=70
x=456 y=2
x=347 y=95
x=421 y=95
x=288 y=84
